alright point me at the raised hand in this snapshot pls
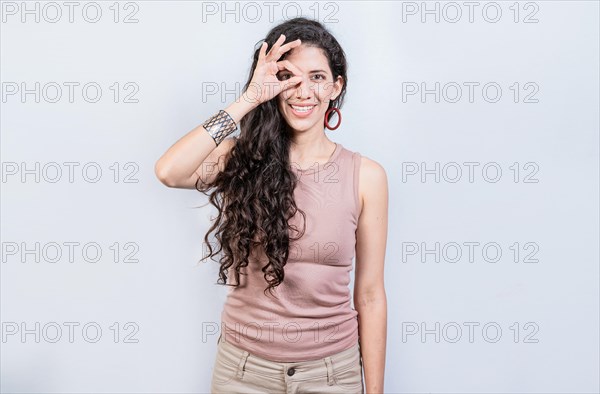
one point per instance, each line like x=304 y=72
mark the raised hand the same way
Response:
x=264 y=84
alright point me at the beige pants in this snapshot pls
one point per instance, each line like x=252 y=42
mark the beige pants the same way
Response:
x=237 y=371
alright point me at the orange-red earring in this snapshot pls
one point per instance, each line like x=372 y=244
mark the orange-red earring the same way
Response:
x=327 y=117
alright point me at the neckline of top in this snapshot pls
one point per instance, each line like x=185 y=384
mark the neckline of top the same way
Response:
x=312 y=168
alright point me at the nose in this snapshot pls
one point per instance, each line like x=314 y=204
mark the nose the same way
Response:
x=304 y=89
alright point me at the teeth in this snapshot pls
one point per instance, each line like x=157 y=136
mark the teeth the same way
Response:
x=302 y=109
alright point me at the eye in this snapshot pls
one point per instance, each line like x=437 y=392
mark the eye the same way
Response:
x=284 y=76
x=321 y=75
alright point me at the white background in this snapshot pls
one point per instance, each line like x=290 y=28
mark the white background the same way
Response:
x=547 y=311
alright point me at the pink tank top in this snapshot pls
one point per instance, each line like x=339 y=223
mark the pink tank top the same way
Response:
x=309 y=315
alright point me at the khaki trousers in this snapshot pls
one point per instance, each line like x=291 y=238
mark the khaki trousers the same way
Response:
x=237 y=371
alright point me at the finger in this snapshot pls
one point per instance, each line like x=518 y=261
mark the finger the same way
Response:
x=289 y=83
x=290 y=45
x=281 y=50
x=262 y=51
x=275 y=48
x=287 y=65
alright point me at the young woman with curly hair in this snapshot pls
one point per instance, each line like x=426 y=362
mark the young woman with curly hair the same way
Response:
x=294 y=209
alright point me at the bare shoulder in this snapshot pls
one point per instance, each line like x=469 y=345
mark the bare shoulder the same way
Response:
x=373 y=183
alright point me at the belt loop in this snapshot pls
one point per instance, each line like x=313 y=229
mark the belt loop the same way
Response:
x=242 y=364
x=329 y=371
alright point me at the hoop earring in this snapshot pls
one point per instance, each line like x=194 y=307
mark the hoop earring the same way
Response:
x=339 y=114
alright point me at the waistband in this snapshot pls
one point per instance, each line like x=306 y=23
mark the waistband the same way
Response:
x=340 y=361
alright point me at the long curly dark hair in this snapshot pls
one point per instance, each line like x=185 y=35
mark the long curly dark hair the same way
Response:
x=254 y=192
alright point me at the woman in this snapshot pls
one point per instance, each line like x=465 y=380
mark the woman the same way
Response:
x=288 y=196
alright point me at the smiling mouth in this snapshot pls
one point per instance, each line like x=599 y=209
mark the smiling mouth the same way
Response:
x=302 y=110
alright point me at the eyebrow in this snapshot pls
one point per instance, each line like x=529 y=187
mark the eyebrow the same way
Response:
x=311 y=72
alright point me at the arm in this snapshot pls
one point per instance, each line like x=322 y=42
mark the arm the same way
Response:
x=369 y=293
x=194 y=154
x=182 y=164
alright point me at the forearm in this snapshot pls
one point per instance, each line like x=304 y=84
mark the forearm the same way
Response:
x=186 y=155
x=372 y=330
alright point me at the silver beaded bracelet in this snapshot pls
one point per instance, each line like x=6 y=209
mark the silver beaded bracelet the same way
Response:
x=220 y=126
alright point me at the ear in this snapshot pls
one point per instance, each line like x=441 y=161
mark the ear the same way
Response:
x=337 y=87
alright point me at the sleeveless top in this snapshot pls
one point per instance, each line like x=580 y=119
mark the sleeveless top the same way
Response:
x=308 y=316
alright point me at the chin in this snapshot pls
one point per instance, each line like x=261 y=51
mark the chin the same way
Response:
x=302 y=127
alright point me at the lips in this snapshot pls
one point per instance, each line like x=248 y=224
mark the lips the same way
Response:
x=302 y=112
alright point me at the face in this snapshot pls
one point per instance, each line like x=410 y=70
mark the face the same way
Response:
x=315 y=90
